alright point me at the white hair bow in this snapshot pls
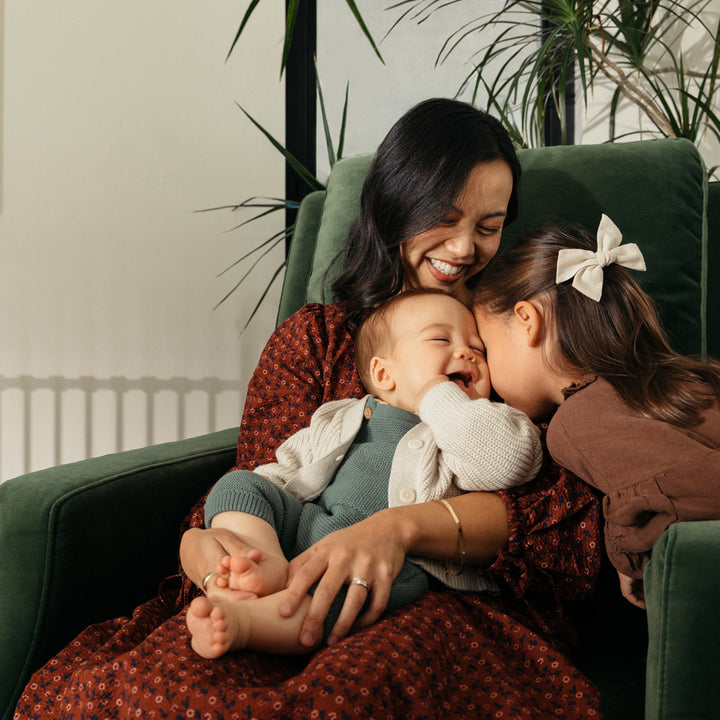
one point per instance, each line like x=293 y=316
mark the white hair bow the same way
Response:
x=586 y=266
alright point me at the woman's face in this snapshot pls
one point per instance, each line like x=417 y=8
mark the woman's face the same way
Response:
x=447 y=255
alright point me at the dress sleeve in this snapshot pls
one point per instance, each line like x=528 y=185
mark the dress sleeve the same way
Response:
x=284 y=390
x=554 y=548
x=307 y=361
x=652 y=473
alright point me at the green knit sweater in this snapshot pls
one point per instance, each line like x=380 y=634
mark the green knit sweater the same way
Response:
x=359 y=488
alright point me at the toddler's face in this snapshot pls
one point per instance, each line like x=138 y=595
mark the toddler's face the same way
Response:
x=519 y=375
x=436 y=336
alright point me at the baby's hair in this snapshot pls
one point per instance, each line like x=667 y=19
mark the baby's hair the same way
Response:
x=375 y=335
x=620 y=338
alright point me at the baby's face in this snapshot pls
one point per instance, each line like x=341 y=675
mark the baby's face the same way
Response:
x=435 y=335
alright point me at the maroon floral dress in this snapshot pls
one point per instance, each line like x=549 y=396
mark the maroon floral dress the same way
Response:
x=451 y=654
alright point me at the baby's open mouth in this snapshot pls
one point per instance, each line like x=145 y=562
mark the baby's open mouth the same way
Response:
x=462 y=379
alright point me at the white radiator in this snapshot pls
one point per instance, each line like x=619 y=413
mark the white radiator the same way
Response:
x=50 y=421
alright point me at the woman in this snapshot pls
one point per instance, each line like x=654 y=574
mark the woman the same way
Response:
x=440 y=189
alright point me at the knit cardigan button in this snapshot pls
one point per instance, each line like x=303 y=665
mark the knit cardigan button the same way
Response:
x=407 y=495
x=415 y=444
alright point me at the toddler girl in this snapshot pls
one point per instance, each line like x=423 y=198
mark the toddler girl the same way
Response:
x=571 y=337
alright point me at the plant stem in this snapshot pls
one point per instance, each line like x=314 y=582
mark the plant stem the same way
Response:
x=631 y=91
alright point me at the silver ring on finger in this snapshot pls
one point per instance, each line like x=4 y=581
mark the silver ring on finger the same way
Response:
x=360 y=581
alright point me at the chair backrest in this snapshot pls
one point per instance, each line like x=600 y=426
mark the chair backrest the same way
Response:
x=654 y=190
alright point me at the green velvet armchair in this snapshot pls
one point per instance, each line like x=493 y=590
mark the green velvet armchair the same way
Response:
x=68 y=555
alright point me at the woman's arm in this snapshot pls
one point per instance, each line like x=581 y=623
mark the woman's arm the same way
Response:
x=426 y=530
x=541 y=542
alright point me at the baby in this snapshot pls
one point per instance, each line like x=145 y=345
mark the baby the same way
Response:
x=427 y=432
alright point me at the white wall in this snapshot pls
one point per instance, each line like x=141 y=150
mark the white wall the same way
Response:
x=118 y=122
x=379 y=94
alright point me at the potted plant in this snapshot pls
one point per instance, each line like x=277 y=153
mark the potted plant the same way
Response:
x=529 y=55
x=263 y=206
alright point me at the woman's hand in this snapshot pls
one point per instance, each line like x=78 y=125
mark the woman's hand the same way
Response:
x=374 y=550
x=334 y=561
x=201 y=551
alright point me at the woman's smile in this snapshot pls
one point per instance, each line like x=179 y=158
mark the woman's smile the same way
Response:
x=445 y=271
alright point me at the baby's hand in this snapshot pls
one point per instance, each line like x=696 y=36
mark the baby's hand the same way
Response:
x=426 y=387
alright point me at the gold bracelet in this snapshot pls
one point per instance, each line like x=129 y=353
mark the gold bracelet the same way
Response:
x=461 y=541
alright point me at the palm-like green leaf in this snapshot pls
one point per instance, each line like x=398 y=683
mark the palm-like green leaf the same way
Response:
x=294 y=163
x=326 y=126
x=363 y=27
x=290 y=18
x=271 y=282
x=267 y=206
x=246 y=17
x=274 y=206
x=343 y=122
x=333 y=155
x=270 y=244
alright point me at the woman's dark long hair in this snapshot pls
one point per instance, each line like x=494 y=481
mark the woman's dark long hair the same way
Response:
x=417 y=174
x=619 y=338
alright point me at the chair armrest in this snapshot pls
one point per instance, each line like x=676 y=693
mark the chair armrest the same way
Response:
x=91 y=540
x=682 y=594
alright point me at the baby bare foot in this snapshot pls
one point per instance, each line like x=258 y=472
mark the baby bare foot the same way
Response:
x=217 y=628
x=261 y=575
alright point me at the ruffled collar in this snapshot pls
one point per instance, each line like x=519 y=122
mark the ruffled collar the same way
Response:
x=578 y=385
